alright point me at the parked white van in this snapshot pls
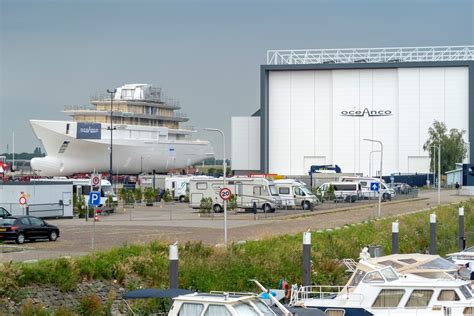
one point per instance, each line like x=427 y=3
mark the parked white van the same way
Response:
x=343 y=191
x=178 y=186
x=367 y=193
x=294 y=193
x=247 y=190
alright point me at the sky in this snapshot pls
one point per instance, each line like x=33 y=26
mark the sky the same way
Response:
x=206 y=54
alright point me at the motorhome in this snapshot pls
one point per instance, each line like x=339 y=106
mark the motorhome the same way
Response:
x=294 y=193
x=83 y=187
x=343 y=191
x=178 y=187
x=367 y=193
x=247 y=191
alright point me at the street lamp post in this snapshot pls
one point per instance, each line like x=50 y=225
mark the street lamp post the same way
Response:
x=112 y=93
x=224 y=166
x=438 y=147
x=380 y=174
x=370 y=161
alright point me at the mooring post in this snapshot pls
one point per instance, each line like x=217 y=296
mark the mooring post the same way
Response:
x=174 y=274
x=307 y=258
x=432 y=234
x=395 y=238
x=461 y=229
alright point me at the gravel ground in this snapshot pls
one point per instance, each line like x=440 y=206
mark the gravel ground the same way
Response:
x=176 y=222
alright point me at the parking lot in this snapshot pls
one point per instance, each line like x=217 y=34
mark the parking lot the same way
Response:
x=177 y=222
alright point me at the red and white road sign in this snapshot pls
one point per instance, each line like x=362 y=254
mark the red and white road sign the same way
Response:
x=225 y=193
x=22 y=200
x=95 y=180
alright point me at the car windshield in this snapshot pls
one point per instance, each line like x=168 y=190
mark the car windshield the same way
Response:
x=108 y=190
x=273 y=190
x=7 y=221
x=306 y=190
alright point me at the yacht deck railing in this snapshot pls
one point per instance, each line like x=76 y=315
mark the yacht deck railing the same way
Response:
x=325 y=293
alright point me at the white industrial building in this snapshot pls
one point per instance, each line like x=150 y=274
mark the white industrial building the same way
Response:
x=318 y=106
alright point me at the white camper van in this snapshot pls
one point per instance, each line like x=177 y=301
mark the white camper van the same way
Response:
x=294 y=193
x=343 y=191
x=367 y=193
x=178 y=186
x=247 y=190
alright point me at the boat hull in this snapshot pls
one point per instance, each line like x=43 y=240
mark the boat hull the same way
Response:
x=67 y=155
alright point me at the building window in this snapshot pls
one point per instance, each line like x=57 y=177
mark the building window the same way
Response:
x=388 y=298
x=67 y=128
x=419 y=298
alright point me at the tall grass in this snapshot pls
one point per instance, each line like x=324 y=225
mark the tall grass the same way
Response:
x=207 y=268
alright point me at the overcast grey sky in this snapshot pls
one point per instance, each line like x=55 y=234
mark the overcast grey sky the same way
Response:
x=206 y=54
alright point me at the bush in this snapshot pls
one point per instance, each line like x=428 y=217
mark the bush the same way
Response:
x=79 y=205
x=150 y=195
x=167 y=196
x=90 y=306
x=206 y=205
x=232 y=203
x=137 y=195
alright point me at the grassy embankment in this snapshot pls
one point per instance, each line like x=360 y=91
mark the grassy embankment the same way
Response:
x=206 y=268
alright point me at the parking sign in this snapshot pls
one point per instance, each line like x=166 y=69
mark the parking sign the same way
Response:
x=94 y=198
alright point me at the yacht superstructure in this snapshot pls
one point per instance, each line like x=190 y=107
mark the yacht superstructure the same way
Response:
x=147 y=136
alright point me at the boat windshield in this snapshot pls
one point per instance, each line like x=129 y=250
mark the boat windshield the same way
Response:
x=470 y=249
x=273 y=190
x=389 y=274
x=438 y=263
x=263 y=308
x=244 y=309
x=466 y=292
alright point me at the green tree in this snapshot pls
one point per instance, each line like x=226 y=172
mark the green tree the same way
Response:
x=453 y=146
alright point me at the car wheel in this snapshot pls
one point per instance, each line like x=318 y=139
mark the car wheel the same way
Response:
x=266 y=208
x=20 y=239
x=181 y=199
x=217 y=208
x=306 y=205
x=53 y=236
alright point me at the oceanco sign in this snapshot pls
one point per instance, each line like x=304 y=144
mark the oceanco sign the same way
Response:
x=366 y=111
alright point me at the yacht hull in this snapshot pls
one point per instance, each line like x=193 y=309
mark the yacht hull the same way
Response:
x=68 y=155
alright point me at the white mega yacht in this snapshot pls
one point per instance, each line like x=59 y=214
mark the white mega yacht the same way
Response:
x=147 y=136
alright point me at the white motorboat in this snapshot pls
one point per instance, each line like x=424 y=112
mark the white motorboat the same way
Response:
x=377 y=289
x=463 y=258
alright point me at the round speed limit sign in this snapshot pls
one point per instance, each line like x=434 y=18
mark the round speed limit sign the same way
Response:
x=225 y=193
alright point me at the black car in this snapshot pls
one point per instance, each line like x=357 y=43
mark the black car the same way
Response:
x=4 y=212
x=21 y=228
